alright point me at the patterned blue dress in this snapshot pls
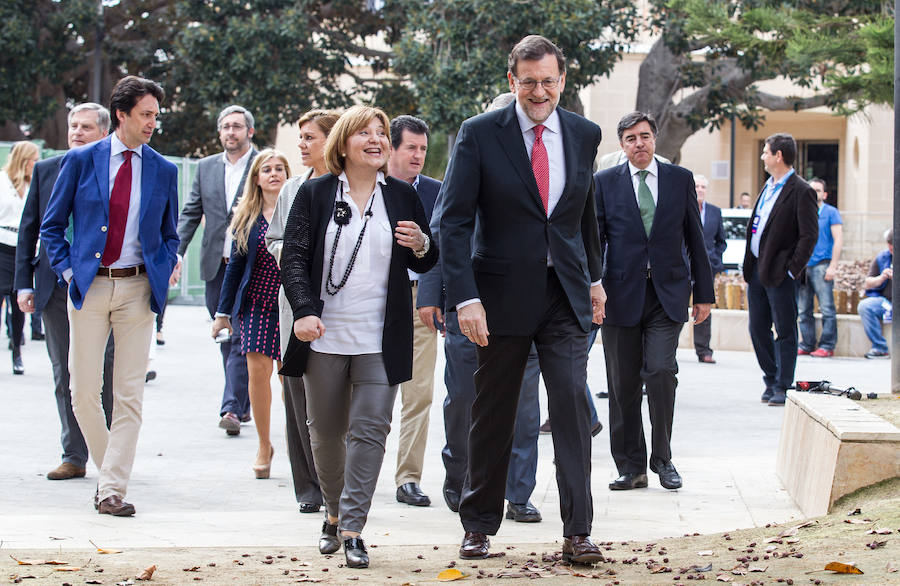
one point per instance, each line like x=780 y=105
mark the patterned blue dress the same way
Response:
x=259 y=319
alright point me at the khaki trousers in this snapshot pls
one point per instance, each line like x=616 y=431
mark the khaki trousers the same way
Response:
x=415 y=398
x=122 y=305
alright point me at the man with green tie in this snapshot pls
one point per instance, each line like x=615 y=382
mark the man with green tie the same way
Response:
x=647 y=213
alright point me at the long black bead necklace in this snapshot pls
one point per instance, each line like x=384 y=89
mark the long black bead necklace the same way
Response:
x=342 y=215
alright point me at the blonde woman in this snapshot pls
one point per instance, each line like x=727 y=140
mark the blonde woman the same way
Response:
x=15 y=178
x=250 y=291
x=350 y=237
x=315 y=126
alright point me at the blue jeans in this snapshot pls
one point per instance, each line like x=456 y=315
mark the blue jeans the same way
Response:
x=872 y=313
x=817 y=285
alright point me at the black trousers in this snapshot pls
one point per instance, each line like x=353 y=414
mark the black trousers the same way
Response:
x=303 y=469
x=562 y=352
x=776 y=306
x=639 y=355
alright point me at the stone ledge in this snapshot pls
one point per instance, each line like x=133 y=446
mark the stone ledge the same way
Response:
x=831 y=446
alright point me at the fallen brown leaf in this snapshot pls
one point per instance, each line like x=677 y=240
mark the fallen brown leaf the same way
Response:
x=876 y=544
x=67 y=569
x=842 y=568
x=724 y=578
x=757 y=569
x=854 y=512
x=789 y=532
x=102 y=550
x=891 y=567
x=657 y=569
x=147 y=574
x=882 y=531
x=857 y=521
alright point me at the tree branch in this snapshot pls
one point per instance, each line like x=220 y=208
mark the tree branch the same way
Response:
x=774 y=102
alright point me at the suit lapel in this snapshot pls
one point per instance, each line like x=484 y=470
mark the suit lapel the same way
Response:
x=785 y=194
x=101 y=170
x=571 y=141
x=219 y=182
x=663 y=195
x=510 y=138
x=149 y=166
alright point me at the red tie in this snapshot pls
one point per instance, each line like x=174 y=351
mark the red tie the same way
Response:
x=118 y=212
x=541 y=166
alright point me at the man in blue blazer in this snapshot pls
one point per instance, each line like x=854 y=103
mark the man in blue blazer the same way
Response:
x=38 y=290
x=122 y=197
x=714 y=237
x=409 y=146
x=654 y=250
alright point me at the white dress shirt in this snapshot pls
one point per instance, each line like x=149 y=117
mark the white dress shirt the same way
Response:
x=11 y=206
x=354 y=317
x=131 y=245
x=233 y=175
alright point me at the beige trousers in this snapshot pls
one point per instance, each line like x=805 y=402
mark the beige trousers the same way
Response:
x=122 y=305
x=415 y=398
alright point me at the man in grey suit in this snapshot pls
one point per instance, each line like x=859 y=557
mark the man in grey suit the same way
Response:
x=217 y=188
x=714 y=237
x=38 y=290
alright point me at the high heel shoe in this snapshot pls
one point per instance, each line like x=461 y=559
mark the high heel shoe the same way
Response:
x=262 y=472
x=18 y=367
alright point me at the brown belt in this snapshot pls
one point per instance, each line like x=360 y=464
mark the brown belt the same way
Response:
x=122 y=273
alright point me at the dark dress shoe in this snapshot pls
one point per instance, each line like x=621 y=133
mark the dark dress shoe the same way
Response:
x=668 y=475
x=355 y=553
x=115 y=506
x=411 y=494
x=628 y=481
x=328 y=541
x=545 y=427
x=602 y=395
x=151 y=375
x=778 y=399
x=309 y=507
x=526 y=513
x=17 y=366
x=707 y=358
x=596 y=428
x=451 y=497
x=579 y=549
x=767 y=395
x=38 y=336
x=474 y=546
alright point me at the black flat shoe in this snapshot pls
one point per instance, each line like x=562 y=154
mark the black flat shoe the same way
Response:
x=451 y=497
x=668 y=476
x=355 y=553
x=309 y=507
x=628 y=482
x=523 y=513
x=328 y=541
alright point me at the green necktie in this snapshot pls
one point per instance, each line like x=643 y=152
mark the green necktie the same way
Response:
x=645 y=202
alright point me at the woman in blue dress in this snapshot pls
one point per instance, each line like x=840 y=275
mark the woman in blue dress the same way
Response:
x=250 y=292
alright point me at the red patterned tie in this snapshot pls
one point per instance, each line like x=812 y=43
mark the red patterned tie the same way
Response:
x=541 y=166
x=118 y=212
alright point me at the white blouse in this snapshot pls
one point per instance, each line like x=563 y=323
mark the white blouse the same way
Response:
x=354 y=317
x=11 y=206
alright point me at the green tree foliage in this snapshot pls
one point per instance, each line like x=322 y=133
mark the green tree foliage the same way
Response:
x=712 y=55
x=453 y=53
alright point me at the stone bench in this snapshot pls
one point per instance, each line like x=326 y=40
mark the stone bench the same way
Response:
x=730 y=332
x=831 y=446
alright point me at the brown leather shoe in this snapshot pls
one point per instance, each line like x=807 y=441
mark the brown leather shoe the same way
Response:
x=579 y=549
x=474 y=546
x=115 y=506
x=65 y=471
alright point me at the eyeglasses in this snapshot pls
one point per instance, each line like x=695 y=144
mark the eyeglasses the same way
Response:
x=234 y=127
x=530 y=84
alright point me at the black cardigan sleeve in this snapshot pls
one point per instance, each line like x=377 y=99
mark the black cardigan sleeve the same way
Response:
x=296 y=258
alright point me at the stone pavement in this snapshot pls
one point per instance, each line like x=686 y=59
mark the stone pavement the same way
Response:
x=193 y=486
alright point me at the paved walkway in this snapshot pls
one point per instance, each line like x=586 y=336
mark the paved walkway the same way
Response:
x=193 y=486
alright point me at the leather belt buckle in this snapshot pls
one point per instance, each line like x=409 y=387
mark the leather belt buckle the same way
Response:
x=122 y=273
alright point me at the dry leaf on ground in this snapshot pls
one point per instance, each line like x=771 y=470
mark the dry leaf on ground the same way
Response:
x=842 y=568
x=724 y=578
x=147 y=574
x=450 y=575
x=102 y=550
x=39 y=562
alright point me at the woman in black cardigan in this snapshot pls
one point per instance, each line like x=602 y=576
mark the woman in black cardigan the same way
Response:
x=350 y=237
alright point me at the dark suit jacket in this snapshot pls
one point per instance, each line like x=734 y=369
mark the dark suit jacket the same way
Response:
x=788 y=237
x=82 y=191
x=303 y=256
x=495 y=234
x=714 y=236
x=237 y=274
x=676 y=229
x=208 y=198
x=34 y=272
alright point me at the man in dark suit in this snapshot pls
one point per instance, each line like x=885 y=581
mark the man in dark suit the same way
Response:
x=714 y=237
x=122 y=198
x=522 y=252
x=781 y=236
x=216 y=191
x=647 y=213
x=38 y=290
x=409 y=146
